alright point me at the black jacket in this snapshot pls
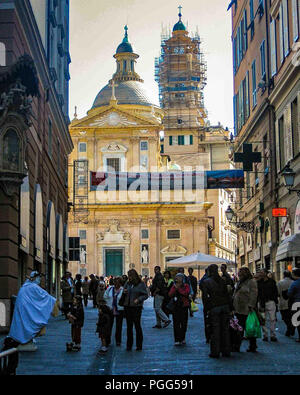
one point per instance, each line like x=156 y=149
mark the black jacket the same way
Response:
x=77 y=311
x=159 y=283
x=215 y=294
x=193 y=283
x=267 y=291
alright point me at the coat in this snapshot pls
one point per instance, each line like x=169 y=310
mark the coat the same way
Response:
x=181 y=293
x=66 y=291
x=108 y=297
x=245 y=294
x=283 y=285
x=138 y=291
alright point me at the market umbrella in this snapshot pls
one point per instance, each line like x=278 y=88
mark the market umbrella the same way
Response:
x=196 y=260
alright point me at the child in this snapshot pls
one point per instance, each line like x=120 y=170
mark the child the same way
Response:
x=76 y=318
x=104 y=326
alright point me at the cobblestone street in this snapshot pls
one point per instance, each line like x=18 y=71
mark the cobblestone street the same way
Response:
x=159 y=356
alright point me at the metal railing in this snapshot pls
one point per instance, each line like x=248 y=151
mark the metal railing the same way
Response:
x=9 y=362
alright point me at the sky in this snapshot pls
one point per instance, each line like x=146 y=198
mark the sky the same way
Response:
x=97 y=28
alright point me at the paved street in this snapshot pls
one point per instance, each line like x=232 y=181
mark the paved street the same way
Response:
x=159 y=356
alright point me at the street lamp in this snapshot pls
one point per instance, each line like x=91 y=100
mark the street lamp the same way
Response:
x=289 y=179
x=245 y=226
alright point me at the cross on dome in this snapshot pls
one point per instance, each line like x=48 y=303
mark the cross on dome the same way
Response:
x=180 y=8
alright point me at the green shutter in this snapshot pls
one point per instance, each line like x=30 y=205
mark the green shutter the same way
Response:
x=191 y=139
x=170 y=140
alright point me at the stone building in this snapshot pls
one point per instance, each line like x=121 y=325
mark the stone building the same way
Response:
x=35 y=144
x=265 y=101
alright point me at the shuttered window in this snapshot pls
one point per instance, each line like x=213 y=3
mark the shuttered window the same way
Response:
x=254 y=96
x=295 y=15
x=273 y=47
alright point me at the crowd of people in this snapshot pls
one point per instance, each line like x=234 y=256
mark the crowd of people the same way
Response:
x=228 y=303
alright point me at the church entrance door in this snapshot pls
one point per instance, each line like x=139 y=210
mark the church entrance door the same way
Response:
x=114 y=262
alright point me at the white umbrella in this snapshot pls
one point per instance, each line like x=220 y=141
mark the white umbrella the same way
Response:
x=196 y=260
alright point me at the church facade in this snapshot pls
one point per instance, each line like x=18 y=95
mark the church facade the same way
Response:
x=122 y=228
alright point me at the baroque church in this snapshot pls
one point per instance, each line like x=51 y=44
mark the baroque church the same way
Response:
x=124 y=133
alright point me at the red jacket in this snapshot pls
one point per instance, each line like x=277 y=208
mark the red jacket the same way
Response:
x=183 y=291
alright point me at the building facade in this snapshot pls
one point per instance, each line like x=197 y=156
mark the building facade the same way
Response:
x=262 y=33
x=35 y=144
x=126 y=229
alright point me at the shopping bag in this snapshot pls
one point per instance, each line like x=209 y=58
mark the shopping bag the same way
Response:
x=253 y=328
x=194 y=307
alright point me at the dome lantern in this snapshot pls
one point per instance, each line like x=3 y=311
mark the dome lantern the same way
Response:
x=179 y=26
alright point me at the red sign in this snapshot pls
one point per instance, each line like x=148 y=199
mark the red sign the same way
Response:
x=279 y=212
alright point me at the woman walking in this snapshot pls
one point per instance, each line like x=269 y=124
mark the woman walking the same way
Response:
x=245 y=301
x=135 y=294
x=169 y=283
x=179 y=294
x=112 y=297
x=218 y=303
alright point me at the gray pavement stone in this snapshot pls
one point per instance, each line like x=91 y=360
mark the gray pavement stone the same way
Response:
x=159 y=355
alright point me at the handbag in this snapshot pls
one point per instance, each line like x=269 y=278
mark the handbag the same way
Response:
x=171 y=305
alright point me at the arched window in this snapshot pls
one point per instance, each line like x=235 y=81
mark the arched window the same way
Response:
x=11 y=151
x=2 y=54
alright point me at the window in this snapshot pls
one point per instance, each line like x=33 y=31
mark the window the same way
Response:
x=180 y=140
x=245 y=35
x=124 y=65
x=82 y=147
x=145 y=234
x=74 y=249
x=82 y=180
x=283 y=30
x=162 y=149
x=2 y=54
x=263 y=60
x=261 y=8
x=273 y=47
x=50 y=138
x=252 y=18
x=173 y=234
x=254 y=96
x=113 y=163
x=295 y=128
x=58 y=156
x=170 y=140
x=144 y=145
x=82 y=234
x=295 y=15
x=281 y=142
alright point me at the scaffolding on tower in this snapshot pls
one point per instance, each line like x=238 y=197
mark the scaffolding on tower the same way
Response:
x=180 y=72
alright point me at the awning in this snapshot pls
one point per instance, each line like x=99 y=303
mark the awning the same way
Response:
x=289 y=248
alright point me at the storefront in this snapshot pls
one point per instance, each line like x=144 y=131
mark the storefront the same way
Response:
x=288 y=252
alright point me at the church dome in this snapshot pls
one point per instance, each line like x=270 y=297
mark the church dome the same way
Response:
x=178 y=26
x=126 y=92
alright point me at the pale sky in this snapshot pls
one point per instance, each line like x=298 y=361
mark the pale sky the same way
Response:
x=97 y=28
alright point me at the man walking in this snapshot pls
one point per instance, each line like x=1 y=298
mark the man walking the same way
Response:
x=193 y=285
x=94 y=289
x=267 y=302
x=158 y=291
x=284 y=308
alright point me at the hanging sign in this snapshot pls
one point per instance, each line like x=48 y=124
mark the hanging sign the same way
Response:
x=279 y=212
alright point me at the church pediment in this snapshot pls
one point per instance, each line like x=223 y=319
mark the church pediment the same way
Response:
x=114 y=118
